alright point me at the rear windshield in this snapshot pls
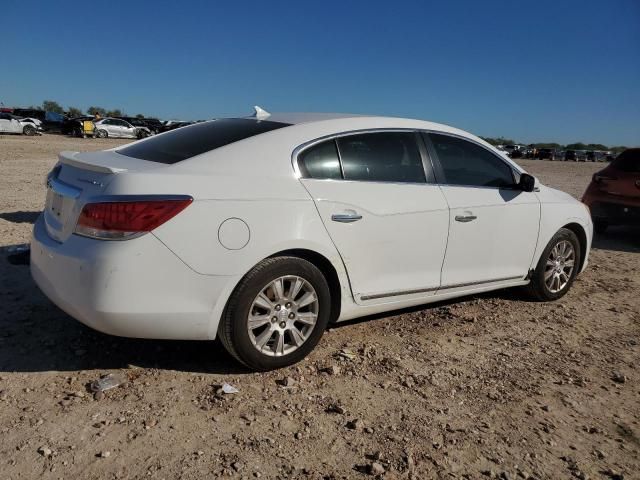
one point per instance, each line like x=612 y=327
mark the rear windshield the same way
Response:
x=628 y=161
x=187 y=142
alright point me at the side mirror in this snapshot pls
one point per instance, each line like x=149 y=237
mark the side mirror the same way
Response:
x=527 y=182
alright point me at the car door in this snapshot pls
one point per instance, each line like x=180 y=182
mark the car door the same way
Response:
x=382 y=211
x=493 y=227
x=128 y=130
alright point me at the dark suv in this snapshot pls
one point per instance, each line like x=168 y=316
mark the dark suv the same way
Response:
x=570 y=155
x=545 y=153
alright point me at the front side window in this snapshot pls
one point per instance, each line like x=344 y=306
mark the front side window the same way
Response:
x=320 y=161
x=465 y=163
x=382 y=157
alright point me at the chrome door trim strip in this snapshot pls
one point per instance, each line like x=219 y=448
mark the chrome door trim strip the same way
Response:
x=397 y=293
x=469 y=284
x=433 y=289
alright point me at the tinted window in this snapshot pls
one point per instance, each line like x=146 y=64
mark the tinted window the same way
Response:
x=465 y=163
x=187 y=142
x=381 y=157
x=320 y=161
x=628 y=161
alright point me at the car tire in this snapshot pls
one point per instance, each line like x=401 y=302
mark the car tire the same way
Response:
x=102 y=134
x=265 y=346
x=29 y=130
x=542 y=287
x=600 y=226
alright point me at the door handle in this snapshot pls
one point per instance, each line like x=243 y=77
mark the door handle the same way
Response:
x=349 y=217
x=465 y=218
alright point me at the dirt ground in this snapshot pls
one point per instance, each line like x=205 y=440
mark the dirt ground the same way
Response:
x=491 y=386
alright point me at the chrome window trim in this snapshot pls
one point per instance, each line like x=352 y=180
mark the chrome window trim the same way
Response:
x=431 y=168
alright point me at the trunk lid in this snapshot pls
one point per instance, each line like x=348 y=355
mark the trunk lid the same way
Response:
x=77 y=178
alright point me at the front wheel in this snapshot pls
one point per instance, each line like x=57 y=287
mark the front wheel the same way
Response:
x=557 y=267
x=29 y=130
x=277 y=313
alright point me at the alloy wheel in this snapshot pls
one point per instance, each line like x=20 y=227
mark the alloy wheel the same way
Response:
x=283 y=315
x=559 y=266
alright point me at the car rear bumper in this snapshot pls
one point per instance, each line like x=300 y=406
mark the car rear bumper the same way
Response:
x=612 y=209
x=135 y=288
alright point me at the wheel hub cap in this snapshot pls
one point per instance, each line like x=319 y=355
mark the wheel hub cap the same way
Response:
x=283 y=315
x=559 y=266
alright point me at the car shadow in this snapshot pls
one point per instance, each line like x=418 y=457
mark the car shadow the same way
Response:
x=36 y=336
x=618 y=239
x=20 y=216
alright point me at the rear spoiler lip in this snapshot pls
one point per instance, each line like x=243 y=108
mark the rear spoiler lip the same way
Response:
x=70 y=158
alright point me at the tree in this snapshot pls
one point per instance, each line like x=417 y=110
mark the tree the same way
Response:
x=97 y=111
x=139 y=115
x=51 y=106
x=115 y=113
x=547 y=145
x=577 y=146
x=74 y=112
x=597 y=146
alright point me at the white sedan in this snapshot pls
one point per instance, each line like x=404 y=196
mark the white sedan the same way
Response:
x=23 y=126
x=263 y=230
x=117 y=128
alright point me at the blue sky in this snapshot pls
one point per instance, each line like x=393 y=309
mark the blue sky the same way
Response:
x=541 y=70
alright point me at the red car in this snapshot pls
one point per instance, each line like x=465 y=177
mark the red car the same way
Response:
x=614 y=193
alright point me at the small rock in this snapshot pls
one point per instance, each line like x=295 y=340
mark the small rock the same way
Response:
x=375 y=469
x=45 y=451
x=332 y=370
x=298 y=435
x=337 y=409
x=104 y=454
x=287 y=382
x=237 y=466
x=355 y=424
x=545 y=408
x=618 y=377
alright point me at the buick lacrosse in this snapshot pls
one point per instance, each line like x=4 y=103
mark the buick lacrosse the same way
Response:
x=263 y=230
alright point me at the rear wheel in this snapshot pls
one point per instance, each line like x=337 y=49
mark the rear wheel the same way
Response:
x=277 y=313
x=102 y=134
x=557 y=267
x=29 y=130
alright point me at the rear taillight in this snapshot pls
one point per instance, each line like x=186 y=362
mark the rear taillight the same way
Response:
x=599 y=178
x=125 y=220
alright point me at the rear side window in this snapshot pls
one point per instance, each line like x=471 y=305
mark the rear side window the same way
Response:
x=628 y=161
x=382 y=157
x=187 y=142
x=320 y=161
x=465 y=163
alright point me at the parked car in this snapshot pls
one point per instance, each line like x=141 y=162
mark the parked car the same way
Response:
x=116 y=128
x=79 y=126
x=152 y=124
x=570 y=155
x=25 y=126
x=581 y=156
x=546 y=153
x=173 y=124
x=257 y=231
x=614 y=192
x=51 y=122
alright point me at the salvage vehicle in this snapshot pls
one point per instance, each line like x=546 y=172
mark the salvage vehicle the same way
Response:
x=25 y=126
x=263 y=230
x=116 y=128
x=614 y=192
x=51 y=122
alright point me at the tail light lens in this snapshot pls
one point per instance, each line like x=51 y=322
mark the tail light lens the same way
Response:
x=599 y=178
x=129 y=219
